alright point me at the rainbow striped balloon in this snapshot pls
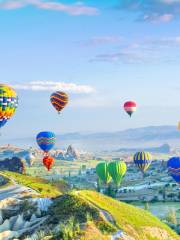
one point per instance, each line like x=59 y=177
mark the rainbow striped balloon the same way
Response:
x=59 y=100
x=8 y=103
x=142 y=160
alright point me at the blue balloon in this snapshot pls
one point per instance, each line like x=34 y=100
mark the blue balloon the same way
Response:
x=174 y=168
x=46 y=140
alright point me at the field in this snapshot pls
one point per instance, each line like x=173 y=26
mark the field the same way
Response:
x=60 y=168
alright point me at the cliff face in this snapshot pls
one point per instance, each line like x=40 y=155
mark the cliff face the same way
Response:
x=14 y=164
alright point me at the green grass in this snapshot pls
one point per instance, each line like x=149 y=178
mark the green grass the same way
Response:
x=42 y=186
x=72 y=206
x=127 y=216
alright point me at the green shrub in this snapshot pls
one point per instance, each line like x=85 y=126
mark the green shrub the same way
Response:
x=69 y=230
x=69 y=206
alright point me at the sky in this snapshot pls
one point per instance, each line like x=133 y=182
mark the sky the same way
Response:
x=102 y=53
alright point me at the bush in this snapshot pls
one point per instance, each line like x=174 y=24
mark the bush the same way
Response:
x=69 y=206
x=70 y=230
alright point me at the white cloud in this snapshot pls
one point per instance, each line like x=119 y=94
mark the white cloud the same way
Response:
x=102 y=40
x=148 y=50
x=72 y=9
x=54 y=86
x=156 y=11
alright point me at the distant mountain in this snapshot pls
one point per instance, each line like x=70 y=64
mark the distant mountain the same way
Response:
x=145 y=137
x=165 y=148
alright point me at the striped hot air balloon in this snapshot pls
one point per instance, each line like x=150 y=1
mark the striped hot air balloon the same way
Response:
x=130 y=107
x=117 y=170
x=102 y=172
x=8 y=103
x=59 y=100
x=142 y=160
x=46 y=141
x=174 y=168
x=178 y=125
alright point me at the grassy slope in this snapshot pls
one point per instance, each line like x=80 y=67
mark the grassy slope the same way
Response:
x=128 y=218
x=40 y=185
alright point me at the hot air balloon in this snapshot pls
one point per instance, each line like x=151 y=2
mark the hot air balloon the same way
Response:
x=59 y=100
x=117 y=170
x=102 y=172
x=8 y=103
x=48 y=162
x=174 y=168
x=178 y=125
x=130 y=107
x=46 y=141
x=142 y=160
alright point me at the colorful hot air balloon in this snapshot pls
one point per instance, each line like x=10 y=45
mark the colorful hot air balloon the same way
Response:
x=102 y=172
x=174 y=168
x=130 y=107
x=8 y=103
x=59 y=100
x=178 y=125
x=48 y=162
x=46 y=141
x=142 y=160
x=117 y=170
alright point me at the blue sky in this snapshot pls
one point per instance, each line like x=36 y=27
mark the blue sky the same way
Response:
x=102 y=54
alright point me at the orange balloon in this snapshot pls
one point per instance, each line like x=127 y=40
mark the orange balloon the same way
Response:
x=48 y=162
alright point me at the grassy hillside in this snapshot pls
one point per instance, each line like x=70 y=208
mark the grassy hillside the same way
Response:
x=136 y=222
x=42 y=186
x=88 y=215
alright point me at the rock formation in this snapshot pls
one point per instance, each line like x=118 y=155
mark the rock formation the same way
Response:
x=71 y=153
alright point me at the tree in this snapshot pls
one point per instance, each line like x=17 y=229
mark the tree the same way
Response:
x=171 y=216
x=146 y=206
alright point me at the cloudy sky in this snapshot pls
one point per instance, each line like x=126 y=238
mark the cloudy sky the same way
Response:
x=102 y=54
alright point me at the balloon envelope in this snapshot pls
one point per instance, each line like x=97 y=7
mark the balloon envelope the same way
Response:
x=130 y=107
x=117 y=170
x=142 y=160
x=59 y=100
x=48 y=162
x=8 y=103
x=46 y=140
x=174 y=168
x=102 y=172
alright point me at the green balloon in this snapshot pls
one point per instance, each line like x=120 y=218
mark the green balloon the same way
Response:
x=102 y=172
x=117 y=170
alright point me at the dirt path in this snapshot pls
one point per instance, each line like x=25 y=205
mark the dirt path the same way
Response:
x=15 y=190
x=119 y=234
